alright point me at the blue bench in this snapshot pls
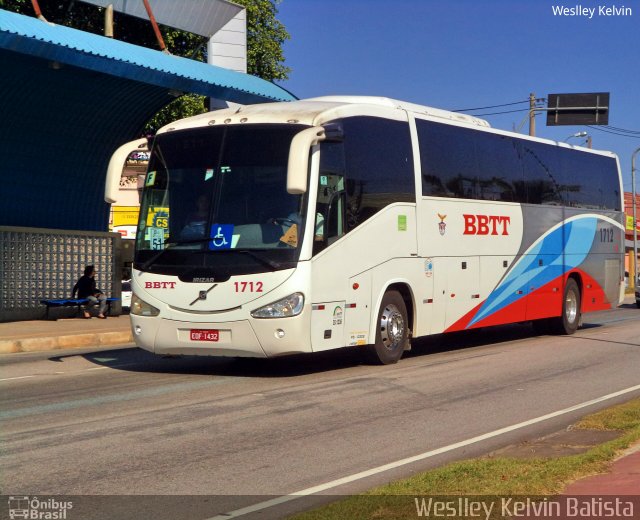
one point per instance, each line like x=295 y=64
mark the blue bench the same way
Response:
x=73 y=302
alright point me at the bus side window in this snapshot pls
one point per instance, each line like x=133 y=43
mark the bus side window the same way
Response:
x=378 y=160
x=329 y=223
x=330 y=211
x=334 y=226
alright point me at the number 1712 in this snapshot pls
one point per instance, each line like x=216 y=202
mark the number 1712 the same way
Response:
x=248 y=286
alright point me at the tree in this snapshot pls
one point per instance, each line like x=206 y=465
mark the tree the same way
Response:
x=265 y=58
x=265 y=37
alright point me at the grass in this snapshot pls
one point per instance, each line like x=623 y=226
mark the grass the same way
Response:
x=497 y=476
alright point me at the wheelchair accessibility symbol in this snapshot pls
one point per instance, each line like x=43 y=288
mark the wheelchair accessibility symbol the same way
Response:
x=221 y=236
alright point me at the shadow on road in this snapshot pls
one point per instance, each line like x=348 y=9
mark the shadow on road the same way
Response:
x=138 y=360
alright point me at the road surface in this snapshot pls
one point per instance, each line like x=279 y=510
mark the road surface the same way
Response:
x=239 y=433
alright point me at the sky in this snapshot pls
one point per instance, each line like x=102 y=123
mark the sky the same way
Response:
x=458 y=54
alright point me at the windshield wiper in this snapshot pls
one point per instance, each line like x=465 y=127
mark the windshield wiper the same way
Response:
x=170 y=245
x=263 y=261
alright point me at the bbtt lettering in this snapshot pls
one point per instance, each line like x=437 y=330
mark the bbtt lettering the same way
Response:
x=486 y=224
x=159 y=285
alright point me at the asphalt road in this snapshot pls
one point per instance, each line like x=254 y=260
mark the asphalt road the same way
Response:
x=236 y=433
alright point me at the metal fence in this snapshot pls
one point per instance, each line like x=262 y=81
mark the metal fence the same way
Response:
x=38 y=264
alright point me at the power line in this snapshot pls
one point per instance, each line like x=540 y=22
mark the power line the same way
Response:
x=492 y=106
x=624 y=130
x=504 y=112
x=612 y=132
x=498 y=113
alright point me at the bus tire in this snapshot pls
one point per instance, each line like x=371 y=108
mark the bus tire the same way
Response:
x=569 y=320
x=392 y=331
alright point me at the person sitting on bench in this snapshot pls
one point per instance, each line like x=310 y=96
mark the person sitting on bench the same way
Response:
x=86 y=288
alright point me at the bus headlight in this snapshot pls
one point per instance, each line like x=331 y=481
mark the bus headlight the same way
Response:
x=141 y=308
x=286 y=307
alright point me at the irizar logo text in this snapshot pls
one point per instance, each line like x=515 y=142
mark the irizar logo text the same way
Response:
x=34 y=508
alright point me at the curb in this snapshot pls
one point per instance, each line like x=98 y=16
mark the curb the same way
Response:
x=65 y=342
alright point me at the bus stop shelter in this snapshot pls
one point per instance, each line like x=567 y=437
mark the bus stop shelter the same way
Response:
x=69 y=99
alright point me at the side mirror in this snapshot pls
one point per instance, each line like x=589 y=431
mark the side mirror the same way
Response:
x=298 y=167
x=114 y=170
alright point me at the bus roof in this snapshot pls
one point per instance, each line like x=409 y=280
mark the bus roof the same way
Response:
x=315 y=111
x=319 y=110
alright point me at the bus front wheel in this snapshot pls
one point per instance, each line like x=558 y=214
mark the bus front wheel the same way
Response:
x=392 y=333
x=569 y=321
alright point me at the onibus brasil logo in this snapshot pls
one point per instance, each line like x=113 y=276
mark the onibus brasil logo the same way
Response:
x=38 y=509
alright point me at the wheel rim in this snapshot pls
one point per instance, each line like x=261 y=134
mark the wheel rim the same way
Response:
x=391 y=327
x=571 y=306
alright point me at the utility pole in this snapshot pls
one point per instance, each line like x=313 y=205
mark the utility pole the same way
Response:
x=532 y=114
x=635 y=227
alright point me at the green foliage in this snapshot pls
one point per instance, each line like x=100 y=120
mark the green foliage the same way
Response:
x=265 y=37
x=184 y=106
x=623 y=417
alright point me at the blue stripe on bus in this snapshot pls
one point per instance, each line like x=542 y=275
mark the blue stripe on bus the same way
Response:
x=561 y=250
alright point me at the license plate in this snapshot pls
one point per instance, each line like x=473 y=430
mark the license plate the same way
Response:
x=204 y=335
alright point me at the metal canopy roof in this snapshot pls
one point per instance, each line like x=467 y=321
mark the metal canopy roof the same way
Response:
x=69 y=99
x=89 y=51
x=204 y=17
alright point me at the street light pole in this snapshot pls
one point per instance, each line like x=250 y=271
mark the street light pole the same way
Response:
x=633 y=205
x=577 y=134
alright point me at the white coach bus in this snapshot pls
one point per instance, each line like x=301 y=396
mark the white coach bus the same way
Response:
x=312 y=225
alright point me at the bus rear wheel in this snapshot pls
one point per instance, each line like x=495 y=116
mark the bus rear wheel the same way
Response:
x=569 y=321
x=392 y=333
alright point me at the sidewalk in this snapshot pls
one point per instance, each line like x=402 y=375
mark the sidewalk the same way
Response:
x=623 y=478
x=40 y=335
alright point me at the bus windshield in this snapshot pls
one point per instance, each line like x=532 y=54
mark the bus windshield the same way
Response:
x=215 y=199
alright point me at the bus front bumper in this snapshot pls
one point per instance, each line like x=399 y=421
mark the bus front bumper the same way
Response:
x=242 y=338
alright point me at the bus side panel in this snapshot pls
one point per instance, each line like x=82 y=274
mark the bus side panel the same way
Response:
x=359 y=311
x=471 y=244
x=460 y=227
x=555 y=243
x=558 y=243
x=602 y=269
x=388 y=234
x=544 y=292
x=459 y=294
